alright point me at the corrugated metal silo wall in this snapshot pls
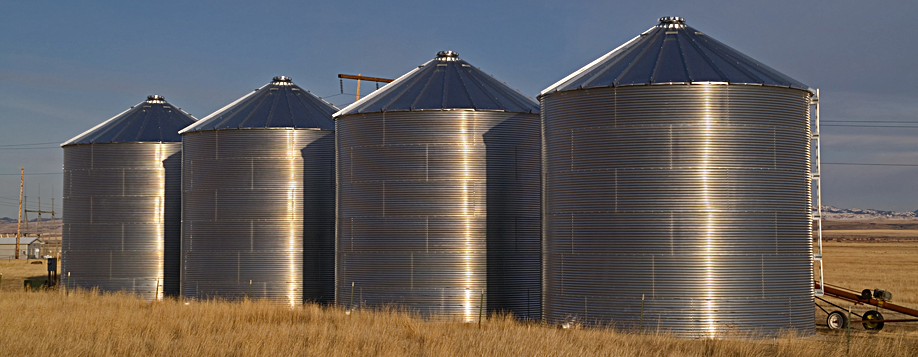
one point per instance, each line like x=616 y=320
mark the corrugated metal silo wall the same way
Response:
x=694 y=196
x=258 y=206
x=436 y=208
x=122 y=207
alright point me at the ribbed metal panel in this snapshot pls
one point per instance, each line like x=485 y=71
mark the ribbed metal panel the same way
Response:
x=258 y=214
x=694 y=196
x=436 y=208
x=122 y=206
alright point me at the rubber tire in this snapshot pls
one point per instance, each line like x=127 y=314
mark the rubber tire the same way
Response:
x=837 y=320
x=873 y=315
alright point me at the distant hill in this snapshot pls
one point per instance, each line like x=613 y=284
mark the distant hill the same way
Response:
x=831 y=213
x=35 y=220
x=8 y=226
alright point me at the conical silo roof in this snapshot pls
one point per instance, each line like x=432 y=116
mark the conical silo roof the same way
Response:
x=444 y=83
x=153 y=120
x=673 y=53
x=279 y=104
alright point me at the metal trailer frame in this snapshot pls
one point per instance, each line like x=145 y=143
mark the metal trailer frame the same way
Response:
x=872 y=320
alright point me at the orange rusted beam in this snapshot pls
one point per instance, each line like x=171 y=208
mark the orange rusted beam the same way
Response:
x=365 y=78
x=872 y=321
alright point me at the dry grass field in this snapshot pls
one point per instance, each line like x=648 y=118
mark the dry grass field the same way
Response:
x=14 y=272
x=873 y=255
x=55 y=323
x=891 y=266
x=87 y=324
x=870 y=231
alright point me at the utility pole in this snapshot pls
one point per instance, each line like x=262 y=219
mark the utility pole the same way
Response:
x=54 y=224
x=19 y=221
x=39 y=211
x=358 y=77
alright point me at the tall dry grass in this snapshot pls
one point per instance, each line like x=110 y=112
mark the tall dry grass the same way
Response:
x=84 y=323
x=81 y=323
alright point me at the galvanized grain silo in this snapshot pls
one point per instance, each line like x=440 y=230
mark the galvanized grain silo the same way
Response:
x=258 y=198
x=122 y=202
x=438 y=195
x=676 y=170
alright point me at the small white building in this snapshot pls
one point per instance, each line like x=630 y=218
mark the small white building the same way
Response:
x=29 y=248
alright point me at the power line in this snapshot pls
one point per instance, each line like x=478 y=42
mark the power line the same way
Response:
x=32 y=148
x=31 y=144
x=862 y=164
x=337 y=94
x=873 y=126
x=870 y=121
x=40 y=173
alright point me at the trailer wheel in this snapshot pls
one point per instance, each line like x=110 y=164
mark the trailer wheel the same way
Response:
x=873 y=315
x=837 y=320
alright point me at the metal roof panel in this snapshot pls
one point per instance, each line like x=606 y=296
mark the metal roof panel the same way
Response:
x=153 y=120
x=279 y=104
x=672 y=52
x=444 y=83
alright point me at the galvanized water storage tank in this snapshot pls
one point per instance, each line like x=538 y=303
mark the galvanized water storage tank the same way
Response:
x=122 y=202
x=438 y=194
x=677 y=172
x=258 y=198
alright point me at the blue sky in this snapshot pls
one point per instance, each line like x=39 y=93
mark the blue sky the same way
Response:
x=67 y=66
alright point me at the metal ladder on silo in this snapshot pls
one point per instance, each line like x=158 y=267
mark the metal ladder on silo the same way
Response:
x=817 y=193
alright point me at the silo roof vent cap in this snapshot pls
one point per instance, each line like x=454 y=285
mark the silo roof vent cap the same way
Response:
x=447 y=55
x=672 y=22
x=282 y=81
x=156 y=98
